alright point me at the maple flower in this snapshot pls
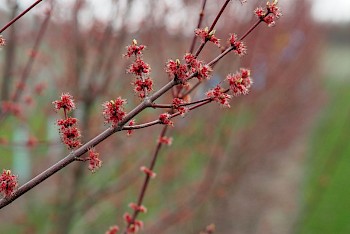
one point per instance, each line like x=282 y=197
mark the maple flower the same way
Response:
x=127 y=218
x=260 y=12
x=191 y=60
x=94 y=161
x=135 y=207
x=113 y=111
x=205 y=35
x=240 y=82
x=203 y=72
x=218 y=95
x=112 y=230
x=139 y=67
x=133 y=225
x=134 y=49
x=2 y=41
x=66 y=123
x=270 y=15
x=165 y=119
x=142 y=85
x=165 y=140
x=274 y=9
x=176 y=70
x=66 y=102
x=70 y=134
x=238 y=46
x=177 y=102
x=130 y=131
x=8 y=183
x=148 y=172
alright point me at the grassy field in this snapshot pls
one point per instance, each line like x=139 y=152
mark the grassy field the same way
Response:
x=327 y=202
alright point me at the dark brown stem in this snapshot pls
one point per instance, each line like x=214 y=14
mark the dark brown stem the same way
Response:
x=20 y=15
x=250 y=30
x=184 y=104
x=201 y=15
x=218 y=15
x=147 y=179
x=155 y=122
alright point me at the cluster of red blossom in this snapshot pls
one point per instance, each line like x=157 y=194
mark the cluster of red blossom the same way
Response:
x=94 y=161
x=143 y=83
x=70 y=134
x=269 y=15
x=113 y=111
x=205 y=35
x=133 y=225
x=239 y=82
x=192 y=67
x=2 y=41
x=8 y=183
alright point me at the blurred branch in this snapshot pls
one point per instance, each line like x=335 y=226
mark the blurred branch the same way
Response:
x=10 y=60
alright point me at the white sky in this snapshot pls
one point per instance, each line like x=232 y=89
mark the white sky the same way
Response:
x=322 y=10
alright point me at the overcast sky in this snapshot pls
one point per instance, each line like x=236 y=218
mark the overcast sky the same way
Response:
x=322 y=10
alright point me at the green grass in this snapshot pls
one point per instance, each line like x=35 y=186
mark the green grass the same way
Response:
x=327 y=201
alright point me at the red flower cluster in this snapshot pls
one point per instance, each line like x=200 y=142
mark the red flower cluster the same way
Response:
x=238 y=46
x=176 y=70
x=134 y=49
x=148 y=172
x=165 y=140
x=165 y=119
x=66 y=103
x=192 y=66
x=134 y=225
x=141 y=86
x=113 y=111
x=70 y=134
x=2 y=41
x=240 y=82
x=135 y=207
x=139 y=67
x=265 y=15
x=8 y=183
x=198 y=67
x=177 y=102
x=205 y=35
x=94 y=161
x=143 y=83
x=131 y=123
x=218 y=95
x=112 y=230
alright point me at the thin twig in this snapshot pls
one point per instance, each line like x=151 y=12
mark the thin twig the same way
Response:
x=20 y=15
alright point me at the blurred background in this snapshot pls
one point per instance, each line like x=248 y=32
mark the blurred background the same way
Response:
x=277 y=161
